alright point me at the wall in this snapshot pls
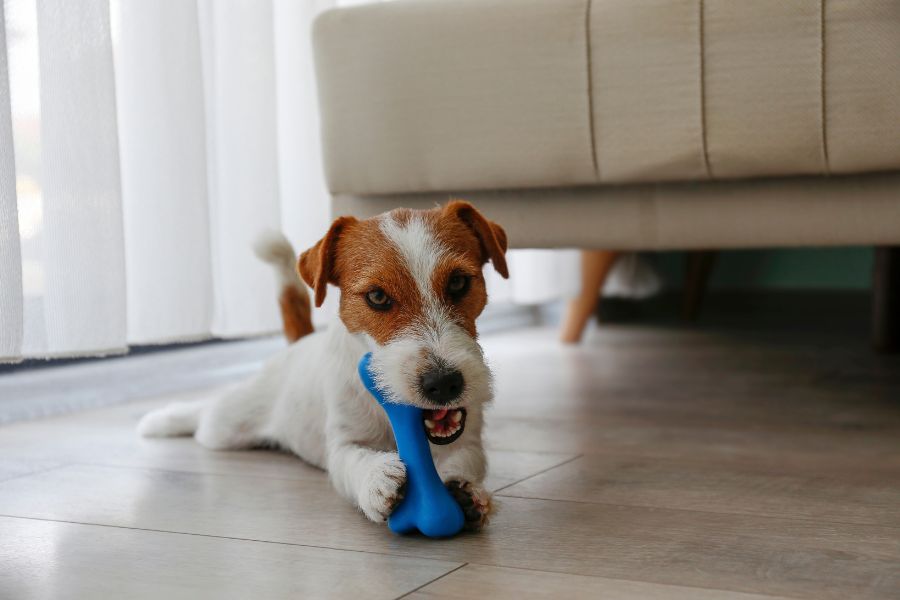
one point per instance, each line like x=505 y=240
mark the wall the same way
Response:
x=794 y=268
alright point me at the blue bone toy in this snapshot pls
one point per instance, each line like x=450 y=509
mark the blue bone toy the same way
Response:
x=427 y=506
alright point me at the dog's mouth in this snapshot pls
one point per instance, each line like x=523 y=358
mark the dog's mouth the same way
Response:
x=445 y=425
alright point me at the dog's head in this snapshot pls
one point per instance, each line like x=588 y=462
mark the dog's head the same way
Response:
x=411 y=282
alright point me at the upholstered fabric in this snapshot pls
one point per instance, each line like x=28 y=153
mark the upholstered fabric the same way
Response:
x=762 y=81
x=862 y=80
x=449 y=95
x=461 y=93
x=796 y=211
x=645 y=63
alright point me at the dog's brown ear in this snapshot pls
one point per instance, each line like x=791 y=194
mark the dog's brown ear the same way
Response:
x=490 y=235
x=317 y=265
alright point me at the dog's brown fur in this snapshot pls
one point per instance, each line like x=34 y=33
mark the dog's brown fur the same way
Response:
x=344 y=257
x=296 y=313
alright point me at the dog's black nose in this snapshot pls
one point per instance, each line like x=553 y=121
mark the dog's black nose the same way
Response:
x=442 y=386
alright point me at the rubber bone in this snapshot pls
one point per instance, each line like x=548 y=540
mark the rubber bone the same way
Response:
x=427 y=506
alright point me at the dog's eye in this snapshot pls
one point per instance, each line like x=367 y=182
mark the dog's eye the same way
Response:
x=378 y=300
x=458 y=285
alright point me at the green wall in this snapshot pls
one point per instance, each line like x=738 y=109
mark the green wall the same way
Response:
x=795 y=268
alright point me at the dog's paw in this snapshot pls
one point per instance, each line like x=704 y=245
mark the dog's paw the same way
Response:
x=178 y=418
x=475 y=502
x=383 y=488
x=159 y=423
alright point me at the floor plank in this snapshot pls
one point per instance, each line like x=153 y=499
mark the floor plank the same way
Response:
x=17 y=467
x=853 y=496
x=500 y=583
x=507 y=467
x=108 y=437
x=40 y=559
x=677 y=547
x=840 y=451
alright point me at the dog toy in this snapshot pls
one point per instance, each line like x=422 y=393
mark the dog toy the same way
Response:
x=427 y=505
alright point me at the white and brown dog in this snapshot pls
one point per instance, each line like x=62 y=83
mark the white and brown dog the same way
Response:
x=411 y=288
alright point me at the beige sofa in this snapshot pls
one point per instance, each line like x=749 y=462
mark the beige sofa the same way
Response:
x=622 y=124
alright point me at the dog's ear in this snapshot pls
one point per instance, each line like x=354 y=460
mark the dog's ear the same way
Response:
x=317 y=265
x=490 y=236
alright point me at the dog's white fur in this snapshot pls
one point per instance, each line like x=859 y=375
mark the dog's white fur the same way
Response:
x=309 y=400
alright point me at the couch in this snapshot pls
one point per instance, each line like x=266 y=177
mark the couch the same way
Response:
x=625 y=124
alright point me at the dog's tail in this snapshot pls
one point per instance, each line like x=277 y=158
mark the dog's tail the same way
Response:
x=296 y=309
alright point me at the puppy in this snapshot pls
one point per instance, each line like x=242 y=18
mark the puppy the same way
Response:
x=411 y=287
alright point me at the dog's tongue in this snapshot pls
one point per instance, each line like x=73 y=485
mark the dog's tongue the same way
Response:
x=437 y=415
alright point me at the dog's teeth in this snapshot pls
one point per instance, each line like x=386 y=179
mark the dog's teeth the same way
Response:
x=429 y=423
x=456 y=417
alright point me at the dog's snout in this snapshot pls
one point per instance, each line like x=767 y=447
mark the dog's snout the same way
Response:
x=442 y=386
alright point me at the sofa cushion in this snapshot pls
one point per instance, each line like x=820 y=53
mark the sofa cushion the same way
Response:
x=453 y=95
x=462 y=93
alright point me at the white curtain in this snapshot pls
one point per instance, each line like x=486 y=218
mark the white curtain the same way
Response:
x=536 y=277
x=143 y=145
x=10 y=254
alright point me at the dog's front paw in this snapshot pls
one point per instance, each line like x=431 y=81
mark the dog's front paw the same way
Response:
x=475 y=502
x=383 y=488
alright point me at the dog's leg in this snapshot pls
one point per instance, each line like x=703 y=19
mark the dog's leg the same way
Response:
x=463 y=470
x=464 y=461
x=236 y=420
x=371 y=479
x=229 y=422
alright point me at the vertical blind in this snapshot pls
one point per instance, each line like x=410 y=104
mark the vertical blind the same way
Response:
x=143 y=146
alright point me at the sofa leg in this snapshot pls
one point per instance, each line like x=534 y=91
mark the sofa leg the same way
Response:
x=595 y=266
x=886 y=299
x=698 y=268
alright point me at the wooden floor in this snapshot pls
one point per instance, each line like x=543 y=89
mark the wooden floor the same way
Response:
x=652 y=462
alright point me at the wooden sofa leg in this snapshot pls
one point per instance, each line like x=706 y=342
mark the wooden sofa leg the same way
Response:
x=595 y=266
x=886 y=299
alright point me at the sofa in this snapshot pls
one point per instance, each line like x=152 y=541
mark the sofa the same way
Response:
x=625 y=124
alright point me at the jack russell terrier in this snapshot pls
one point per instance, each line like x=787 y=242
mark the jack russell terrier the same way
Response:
x=411 y=288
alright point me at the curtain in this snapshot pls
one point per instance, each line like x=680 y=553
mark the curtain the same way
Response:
x=536 y=277
x=143 y=145
x=10 y=254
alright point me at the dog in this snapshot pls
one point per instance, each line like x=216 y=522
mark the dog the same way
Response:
x=411 y=286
